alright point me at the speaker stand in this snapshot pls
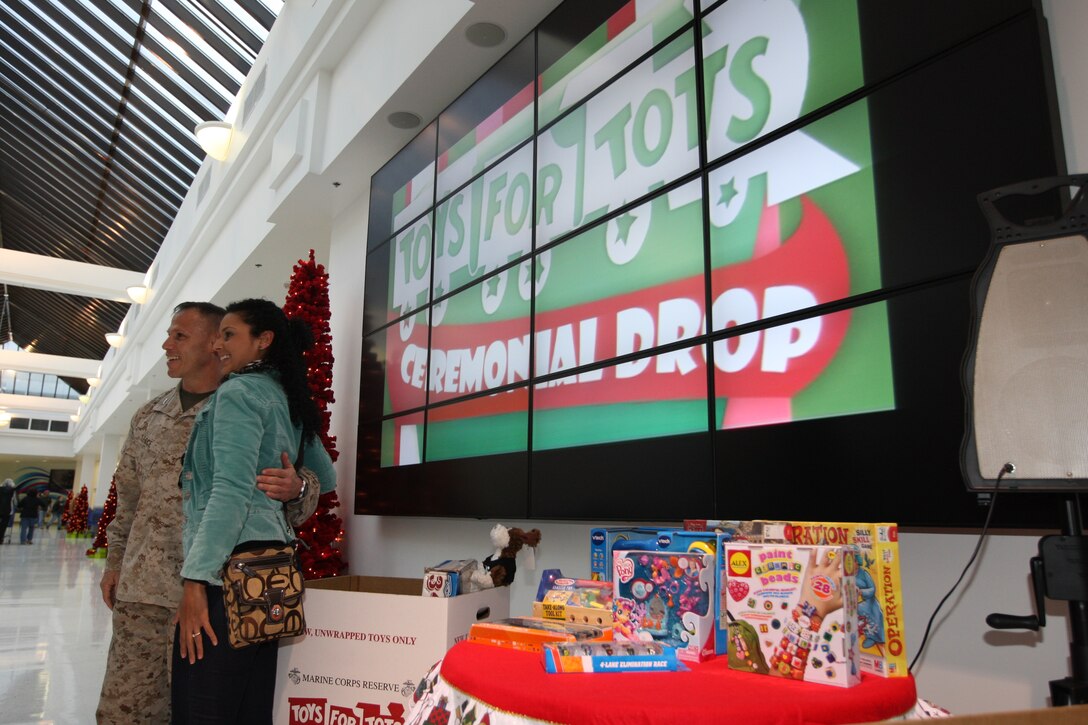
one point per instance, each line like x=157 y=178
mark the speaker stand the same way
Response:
x=1060 y=572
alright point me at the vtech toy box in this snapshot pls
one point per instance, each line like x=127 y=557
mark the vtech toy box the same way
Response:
x=601 y=541
x=793 y=611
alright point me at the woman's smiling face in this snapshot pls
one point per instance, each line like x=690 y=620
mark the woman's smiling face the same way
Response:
x=237 y=346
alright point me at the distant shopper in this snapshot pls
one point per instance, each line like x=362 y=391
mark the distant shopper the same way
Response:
x=7 y=506
x=29 y=508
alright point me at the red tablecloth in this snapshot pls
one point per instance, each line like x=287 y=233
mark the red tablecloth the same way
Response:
x=516 y=683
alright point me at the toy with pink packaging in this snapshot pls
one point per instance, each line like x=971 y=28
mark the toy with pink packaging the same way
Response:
x=665 y=596
x=793 y=611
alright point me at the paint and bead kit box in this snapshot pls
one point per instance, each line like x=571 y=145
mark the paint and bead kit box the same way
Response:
x=792 y=611
x=882 y=649
x=667 y=597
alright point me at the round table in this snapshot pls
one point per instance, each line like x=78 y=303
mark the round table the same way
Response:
x=511 y=688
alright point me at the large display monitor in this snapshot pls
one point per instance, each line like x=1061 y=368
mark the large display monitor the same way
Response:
x=670 y=259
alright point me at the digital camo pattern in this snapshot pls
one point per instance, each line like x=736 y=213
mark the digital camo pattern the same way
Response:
x=262 y=595
x=136 y=687
x=145 y=536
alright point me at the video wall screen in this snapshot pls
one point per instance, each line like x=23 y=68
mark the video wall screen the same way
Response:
x=662 y=247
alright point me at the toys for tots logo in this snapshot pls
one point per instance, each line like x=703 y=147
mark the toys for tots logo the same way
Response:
x=318 y=711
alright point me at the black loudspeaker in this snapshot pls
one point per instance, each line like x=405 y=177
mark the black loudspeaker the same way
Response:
x=1025 y=373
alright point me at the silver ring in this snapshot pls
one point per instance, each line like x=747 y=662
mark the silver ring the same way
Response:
x=195 y=635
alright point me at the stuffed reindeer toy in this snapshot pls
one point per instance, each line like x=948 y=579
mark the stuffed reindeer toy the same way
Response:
x=498 y=569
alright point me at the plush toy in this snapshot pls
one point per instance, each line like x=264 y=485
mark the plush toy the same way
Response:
x=498 y=569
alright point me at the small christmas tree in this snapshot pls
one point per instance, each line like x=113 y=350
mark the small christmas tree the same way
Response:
x=77 y=513
x=109 y=510
x=308 y=299
x=67 y=509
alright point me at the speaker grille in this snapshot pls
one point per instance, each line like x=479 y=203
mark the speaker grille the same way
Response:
x=1031 y=362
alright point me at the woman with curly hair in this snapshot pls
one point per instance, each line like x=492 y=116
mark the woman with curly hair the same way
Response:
x=262 y=408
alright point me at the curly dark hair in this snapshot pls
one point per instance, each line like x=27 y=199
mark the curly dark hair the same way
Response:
x=290 y=339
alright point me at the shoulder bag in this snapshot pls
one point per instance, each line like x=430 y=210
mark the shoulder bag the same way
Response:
x=263 y=589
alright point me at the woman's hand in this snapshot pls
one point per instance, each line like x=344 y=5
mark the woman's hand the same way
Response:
x=193 y=621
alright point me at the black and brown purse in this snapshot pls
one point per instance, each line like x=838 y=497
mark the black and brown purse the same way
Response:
x=262 y=593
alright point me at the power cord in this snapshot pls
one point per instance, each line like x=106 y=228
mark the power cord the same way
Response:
x=1007 y=468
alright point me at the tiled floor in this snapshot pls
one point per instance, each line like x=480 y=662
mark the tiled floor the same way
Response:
x=54 y=631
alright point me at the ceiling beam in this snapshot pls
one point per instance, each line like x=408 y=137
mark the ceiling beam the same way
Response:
x=59 y=365
x=34 y=404
x=22 y=269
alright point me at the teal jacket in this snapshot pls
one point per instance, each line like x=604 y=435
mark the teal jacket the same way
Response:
x=242 y=429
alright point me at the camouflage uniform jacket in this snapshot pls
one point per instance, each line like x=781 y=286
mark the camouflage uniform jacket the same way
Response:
x=144 y=538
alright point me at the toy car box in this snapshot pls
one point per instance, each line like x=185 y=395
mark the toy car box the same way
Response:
x=793 y=611
x=609 y=657
x=665 y=597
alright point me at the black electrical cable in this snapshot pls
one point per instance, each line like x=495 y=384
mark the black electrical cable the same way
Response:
x=1007 y=468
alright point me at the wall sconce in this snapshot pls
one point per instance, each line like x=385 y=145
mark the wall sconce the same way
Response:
x=115 y=339
x=214 y=137
x=93 y=382
x=74 y=417
x=5 y=418
x=84 y=399
x=137 y=293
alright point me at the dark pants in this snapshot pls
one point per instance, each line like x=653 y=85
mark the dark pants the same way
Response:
x=229 y=685
x=5 y=519
x=26 y=529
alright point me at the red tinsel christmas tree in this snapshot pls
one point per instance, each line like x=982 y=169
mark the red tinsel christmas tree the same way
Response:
x=67 y=508
x=77 y=513
x=109 y=511
x=308 y=299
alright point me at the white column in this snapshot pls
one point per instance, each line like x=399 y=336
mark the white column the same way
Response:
x=107 y=464
x=86 y=463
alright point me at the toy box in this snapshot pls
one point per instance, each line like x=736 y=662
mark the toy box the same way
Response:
x=882 y=650
x=447 y=578
x=609 y=657
x=665 y=597
x=736 y=529
x=579 y=601
x=602 y=540
x=369 y=641
x=793 y=611
x=530 y=634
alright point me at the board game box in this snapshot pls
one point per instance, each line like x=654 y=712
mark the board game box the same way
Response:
x=880 y=607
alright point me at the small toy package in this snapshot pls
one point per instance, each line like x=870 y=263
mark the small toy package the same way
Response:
x=447 y=578
x=530 y=634
x=610 y=657
x=601 y=541
x=665 y=597
x=737 y=530
x=793 y=611
x=880 y=606
x=580 y=601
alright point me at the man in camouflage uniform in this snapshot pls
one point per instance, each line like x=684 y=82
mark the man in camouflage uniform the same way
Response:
x=142 y=580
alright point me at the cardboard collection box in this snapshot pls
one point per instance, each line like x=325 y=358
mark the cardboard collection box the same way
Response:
x=368 y=642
